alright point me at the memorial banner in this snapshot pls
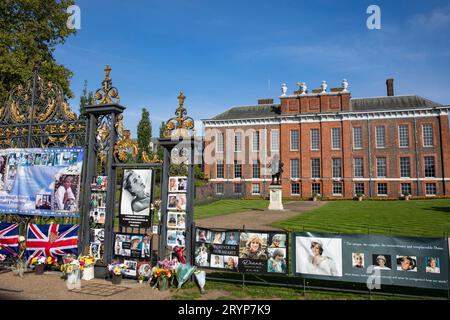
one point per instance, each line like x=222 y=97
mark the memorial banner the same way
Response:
x=136 y=198
x=242 y=251
x=374 y=259
x=40 y=182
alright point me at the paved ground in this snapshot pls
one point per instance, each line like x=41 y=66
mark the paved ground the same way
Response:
x=258 y=219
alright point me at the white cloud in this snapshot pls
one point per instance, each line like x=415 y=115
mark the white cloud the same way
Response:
x=436 y=19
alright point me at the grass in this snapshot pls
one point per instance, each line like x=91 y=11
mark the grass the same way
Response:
x=427 y=218
x=232 y=291
x=222 y=207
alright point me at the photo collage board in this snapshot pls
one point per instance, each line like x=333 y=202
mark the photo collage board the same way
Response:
x=242 y=251
x=134 y=250
x=399 y=261
x=176 y=212
x=97 y=215
x=41 y=182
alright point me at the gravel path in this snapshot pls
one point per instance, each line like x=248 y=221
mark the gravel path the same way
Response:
x=259 y=219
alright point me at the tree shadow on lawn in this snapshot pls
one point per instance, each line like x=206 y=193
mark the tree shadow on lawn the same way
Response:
x=442 y=209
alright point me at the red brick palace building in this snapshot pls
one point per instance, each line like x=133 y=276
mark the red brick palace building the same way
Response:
x=332 y=145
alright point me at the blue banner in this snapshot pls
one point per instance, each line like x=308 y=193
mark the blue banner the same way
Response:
x=41 y=182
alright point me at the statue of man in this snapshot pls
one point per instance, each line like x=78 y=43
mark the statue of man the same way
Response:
x=276 y=167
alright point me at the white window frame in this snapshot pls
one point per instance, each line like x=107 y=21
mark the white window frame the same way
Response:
x=340 y=167
x=275 y=136
x=423 y=135
x=426 y=189
x=254 y=134
x=253 y=189
x=292 y=188
x=291 y=141
x=222 y=135
x=342 y=188
x=378 y=189
x=223 y=188
x=354 y=168
x=361 y=138
x=238 y=142
x=400 y=136
x=339 y=137
x=385 y=167
x=409 y=161
x=297 y=168
x=311 y=138
x=377 y=141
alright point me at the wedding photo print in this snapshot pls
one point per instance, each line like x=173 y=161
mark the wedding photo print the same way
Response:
x=319 y=256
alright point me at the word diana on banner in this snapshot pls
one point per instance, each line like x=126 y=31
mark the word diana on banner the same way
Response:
x=40 y=182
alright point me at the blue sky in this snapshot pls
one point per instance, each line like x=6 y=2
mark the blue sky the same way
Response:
x=227 y=53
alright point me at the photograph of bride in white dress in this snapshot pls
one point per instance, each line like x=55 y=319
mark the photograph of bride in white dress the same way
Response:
x=319 y=256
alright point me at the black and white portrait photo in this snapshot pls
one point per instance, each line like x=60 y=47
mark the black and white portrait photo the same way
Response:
x=136 y=192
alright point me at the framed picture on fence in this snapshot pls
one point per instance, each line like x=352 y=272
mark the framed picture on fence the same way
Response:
x=136 y=198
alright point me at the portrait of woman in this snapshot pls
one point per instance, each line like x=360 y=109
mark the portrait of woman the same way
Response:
x=138 y=190
x=254 y=248
x=406 y=263
x=358 y=260
x=318 y=262
x=173 y=184
x=181 y=202
x=231 y=263
x=232 y=241
x=278 y=241
x=201 y=259
x=277 y=262
x=433 y=265
x=182 y=184
x=216 y=261
x=201 y=235
x=382 y=262
x=172 y=201
x=218 y=238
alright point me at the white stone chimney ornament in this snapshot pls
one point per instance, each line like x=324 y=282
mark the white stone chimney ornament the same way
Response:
x=345 y=85
x=303 y=87
x=284 y=89
x=324 y=86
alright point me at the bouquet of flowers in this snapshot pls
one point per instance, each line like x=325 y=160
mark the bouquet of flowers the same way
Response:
x=164 y=273
x=87 y=262
x=50 y=261
x=117 y=268
x=70 y=265
x=71 y=271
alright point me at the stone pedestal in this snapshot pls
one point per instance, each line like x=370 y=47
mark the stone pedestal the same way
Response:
x=275 y=197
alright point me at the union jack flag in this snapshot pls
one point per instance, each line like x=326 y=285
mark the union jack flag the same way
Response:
x=9 y=238
x=51 y=240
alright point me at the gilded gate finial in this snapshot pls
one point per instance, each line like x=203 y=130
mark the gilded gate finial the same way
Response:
x=180 y=125
x=109 y=92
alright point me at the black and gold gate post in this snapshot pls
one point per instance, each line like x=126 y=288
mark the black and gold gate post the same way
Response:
x=180 y=148
x=104 y=131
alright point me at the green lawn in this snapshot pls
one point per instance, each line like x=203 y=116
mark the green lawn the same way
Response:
x=408 y=218
x=234 y=291
x=222 y=207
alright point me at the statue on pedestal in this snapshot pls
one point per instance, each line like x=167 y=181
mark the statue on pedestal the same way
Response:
x=276 y=170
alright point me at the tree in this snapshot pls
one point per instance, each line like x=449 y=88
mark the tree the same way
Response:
x=86 y=99
x=30 y=30
x=144 y=132
x=159 y=149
